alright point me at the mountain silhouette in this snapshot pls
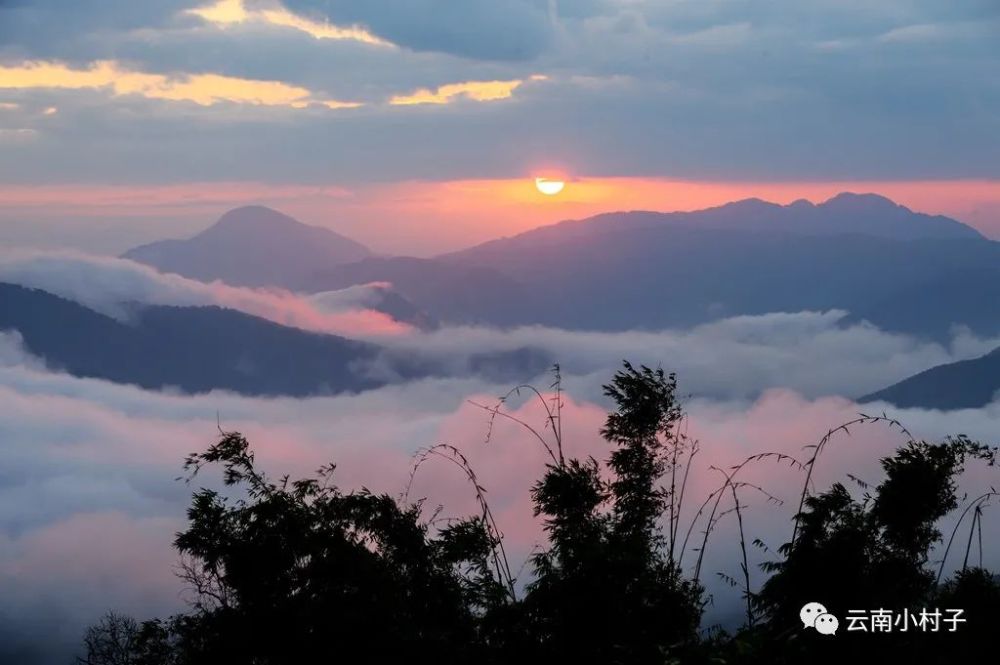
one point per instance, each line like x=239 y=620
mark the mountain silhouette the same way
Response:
x=861 y=253
x=194 y=349
x=967 y=384
x=931 y=308
x=199 y=349
x=845 y=213
x=252 y=246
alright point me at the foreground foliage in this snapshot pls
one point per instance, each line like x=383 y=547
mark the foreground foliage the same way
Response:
x=292 y=569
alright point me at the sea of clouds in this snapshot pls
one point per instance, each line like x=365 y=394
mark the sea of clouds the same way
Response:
x=112 y=286
x=89 y=491
x=812 y=352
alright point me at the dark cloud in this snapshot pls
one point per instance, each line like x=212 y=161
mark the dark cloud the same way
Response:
x=741 y=90
x=484 y=29
x=340 y=68
x=604 y=128
x=73 y=29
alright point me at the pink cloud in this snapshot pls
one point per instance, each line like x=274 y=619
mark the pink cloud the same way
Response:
x=95 y=505
x=109 y=284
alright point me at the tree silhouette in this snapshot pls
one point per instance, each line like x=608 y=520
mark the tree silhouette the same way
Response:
x=284 y=570
x=867 y=554
x=298 y=568
x=607 y=589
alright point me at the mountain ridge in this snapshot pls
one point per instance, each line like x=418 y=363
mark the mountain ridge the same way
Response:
x=966 y=384
x=197 y=349
x=252 y=246
x=826 y=218
x=194 y=349
x=647 y=270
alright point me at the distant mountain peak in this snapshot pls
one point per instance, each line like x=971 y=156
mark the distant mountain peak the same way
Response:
x=253 y=208
x=851 y=201
x=845 y=213
x=751 y=204
x=251 y=214
x=260 y=219
x=253 y=246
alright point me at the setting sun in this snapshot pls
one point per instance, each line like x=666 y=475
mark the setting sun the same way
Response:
x=549 y=187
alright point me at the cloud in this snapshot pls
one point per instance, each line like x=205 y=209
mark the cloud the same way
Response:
x=202 y=89
x=13 y=353
x=41 y=25
x=52 y=575
x=210 y=89
x=229 y=12
x=736 y=91
x=732 y=358
x=18 y=135
x=922 y=32
x=479 y=91
x=814 y=353
x=718 y=36
x=93 y=464
x=112 y=286
x=511 y=30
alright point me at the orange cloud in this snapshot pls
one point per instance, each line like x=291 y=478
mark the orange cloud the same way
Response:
x=230 y=12
x=333 y=104
x=202 y=89
x=480 y=91
x=207 y=89
x=223 y=12
x=285 y=18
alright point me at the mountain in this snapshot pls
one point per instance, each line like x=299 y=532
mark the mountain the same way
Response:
x=860 y=253
x=252 y=246
x=967 y=384
x=846 y=213
x=902 y=270
x=446 y=291
x=198 y=349
x=933 y=307
x=195 y=349
x=390 y=301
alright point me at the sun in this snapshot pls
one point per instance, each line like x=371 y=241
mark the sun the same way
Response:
x=548 y=186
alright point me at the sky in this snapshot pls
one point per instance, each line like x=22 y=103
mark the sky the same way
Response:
x=417 y=127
